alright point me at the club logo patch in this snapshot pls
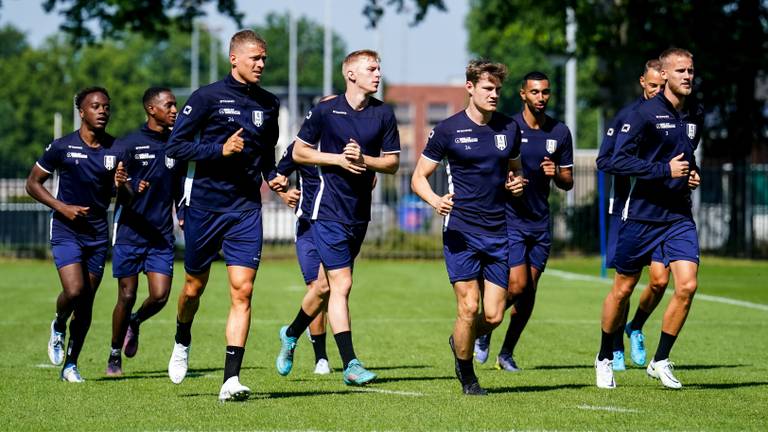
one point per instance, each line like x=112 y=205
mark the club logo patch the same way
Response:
x=169 y=162
x=551 y=146
x=691 y=130
x=501 y=142
x=109 y=162
x=610 y=132
x=625 y=127
x=187 y=109
x=257 y=117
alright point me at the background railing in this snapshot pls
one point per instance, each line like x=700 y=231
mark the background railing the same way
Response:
x=403 y=226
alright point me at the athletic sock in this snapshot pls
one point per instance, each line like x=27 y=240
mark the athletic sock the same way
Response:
x=606 y=346
x=639 y=319
x=183 y=333
x=318 y=345
x=466 y=371
x=117 y=347
x=135 y=321
x=115 y=352
x=233 y=361
x=60 y=324
x=299 y=324
x=344 y=342
x=665 y=345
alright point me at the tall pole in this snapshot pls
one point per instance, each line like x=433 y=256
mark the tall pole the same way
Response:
x=194 y=68
x=293 y=108
x=327 y=50
x=213 y=56
x=570 y=84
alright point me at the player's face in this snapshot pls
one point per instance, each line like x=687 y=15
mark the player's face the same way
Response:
x=652 y=83
x=366 y=74
x=248 y=61
x=678 y=71
x=484 y=94
x=94 y=111
x=535 y=95
x=163 y=109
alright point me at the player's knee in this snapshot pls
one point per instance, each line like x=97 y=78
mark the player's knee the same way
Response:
x=516 y=287
x=686 y=288
x=127 y=297
x=494 y=319
x=659 y=283
x=468 y=309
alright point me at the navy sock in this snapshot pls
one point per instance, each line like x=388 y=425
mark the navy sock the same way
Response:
x=344 y=342
x=299 y=324
x=466 y=371
x=183 y=333
x=318 y=344
x=233 y=361
x=639 y=319
x=606 y=346
x=665 y=345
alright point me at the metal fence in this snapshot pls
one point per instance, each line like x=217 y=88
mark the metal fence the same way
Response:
x=403 y=226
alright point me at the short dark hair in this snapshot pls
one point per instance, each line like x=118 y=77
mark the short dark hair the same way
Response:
x=654 y=64
x=674 y=51
x=82 y=94
x=478 y=67
x=246 y=36
x=151 y=93
x=533 y=76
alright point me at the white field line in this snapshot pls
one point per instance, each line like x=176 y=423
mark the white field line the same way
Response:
x=706 y=297
x=607 y=408
x=392 y=392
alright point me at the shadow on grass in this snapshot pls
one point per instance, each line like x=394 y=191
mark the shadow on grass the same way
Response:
x=276 y=395
x=416 y=378
x=378 y=368
x=530 y=389
x=725 y=386
x=154 y=374
x=557 y=367
x=708 y=366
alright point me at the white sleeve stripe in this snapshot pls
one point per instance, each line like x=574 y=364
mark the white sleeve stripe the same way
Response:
x=429 y=159
x=41 y=167
x=515 y=158
x=390 y=152
x=309 y=144
x=565 y=166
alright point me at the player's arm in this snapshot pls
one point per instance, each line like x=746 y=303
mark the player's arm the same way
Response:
x=420 y=185
x=389 y=160
x=605 y=153
x=35 y=189
x=563 y=173
x=515 y=182
x=387 y=163
x=626 y=162
x=306 y=154
x=183 y=143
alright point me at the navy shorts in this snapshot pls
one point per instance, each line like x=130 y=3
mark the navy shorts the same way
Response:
x=614 y=224
x=306 y=252
x=129 y=260
x=337 y=244
x=70 y=247
x=237 y=234
x=469 y=256
x=529 y=247
x=638 y=242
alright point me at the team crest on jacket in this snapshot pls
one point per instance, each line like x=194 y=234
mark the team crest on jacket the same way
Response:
x=257 y=117
x=691 y=130
x=109 y=162
x=501 y=142
x=551 y=146
x=169 y=162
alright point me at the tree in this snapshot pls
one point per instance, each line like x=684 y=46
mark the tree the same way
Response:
x=118 y=18
x=309 y=57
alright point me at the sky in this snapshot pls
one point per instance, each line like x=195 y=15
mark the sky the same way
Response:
x=433 y=52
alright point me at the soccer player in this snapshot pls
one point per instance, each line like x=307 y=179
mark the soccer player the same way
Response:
x=546 y=151
x=143 y=226
x=349 y=138
x=481 y=148
x=651 y=83
x=227 y=131
x=655 y=146
x=86 y=162
x=306 y=251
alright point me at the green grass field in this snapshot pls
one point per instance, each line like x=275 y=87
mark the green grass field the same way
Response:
x=403 y=313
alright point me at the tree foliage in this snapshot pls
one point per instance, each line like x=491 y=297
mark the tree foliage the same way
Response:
x=117 y=18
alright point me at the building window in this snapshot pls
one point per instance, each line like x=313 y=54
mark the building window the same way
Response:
x=403 y=113
x=436 y=112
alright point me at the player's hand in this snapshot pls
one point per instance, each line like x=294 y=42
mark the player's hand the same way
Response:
x=515 y=184
x=694 y=180
x=353 y=167
x=121 y=175
x=678 y=167
x=548 y=167
x=143 y=185
x=353 y=152
x=444 y=204
x=290 y=198
x=181 y=224
x=279 y=183
x=72 y=212
x=234 y=144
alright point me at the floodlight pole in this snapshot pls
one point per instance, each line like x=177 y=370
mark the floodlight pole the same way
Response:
x=292 y=77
